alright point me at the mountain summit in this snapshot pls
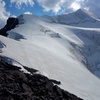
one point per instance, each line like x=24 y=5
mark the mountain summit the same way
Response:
x=79 y=18
x=83 y=14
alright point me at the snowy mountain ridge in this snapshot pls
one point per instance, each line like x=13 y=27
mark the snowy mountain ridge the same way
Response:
x=68 y=53
x=79 y=18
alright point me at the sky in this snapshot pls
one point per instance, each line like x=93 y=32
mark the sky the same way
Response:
x=9 y=8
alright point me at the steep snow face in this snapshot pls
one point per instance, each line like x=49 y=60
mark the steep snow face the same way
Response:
x=91 y=51
x=58 y=51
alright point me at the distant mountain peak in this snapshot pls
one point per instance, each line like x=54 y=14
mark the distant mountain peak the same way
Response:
x=79 y=18
x=81 y=10
x=82 y=13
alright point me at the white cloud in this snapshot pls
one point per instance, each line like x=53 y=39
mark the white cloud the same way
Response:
x=54 y=5
x=75 y=6
x=3 y=14
x=20 y=2
x=28 y=13
x=57 y=5
x=70 y=5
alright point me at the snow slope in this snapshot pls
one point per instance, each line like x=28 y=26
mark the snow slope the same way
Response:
x=66 y=53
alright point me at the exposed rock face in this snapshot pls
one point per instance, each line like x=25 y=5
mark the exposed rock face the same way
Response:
x=11 y=23
x=16 y=85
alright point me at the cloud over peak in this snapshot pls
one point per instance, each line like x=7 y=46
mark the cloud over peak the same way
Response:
x=70 y=5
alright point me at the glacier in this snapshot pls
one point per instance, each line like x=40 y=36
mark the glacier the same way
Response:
x=65 y=47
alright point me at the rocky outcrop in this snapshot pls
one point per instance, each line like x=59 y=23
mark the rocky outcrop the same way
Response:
x=11 y=23
x=17 y=85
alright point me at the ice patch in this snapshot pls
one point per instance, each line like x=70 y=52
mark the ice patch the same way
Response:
x=15 y=36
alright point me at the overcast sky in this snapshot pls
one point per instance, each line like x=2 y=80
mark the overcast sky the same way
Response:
x=45 y=7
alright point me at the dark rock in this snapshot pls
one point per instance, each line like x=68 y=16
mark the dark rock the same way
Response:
x=57 y=90
x=31 y=70
x=17 y=85
x=11 y=23
x=3 y=32
x=55 y=81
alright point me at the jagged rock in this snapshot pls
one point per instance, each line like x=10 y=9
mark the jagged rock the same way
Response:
x=55 y=81
x=31 y=70
x=3 y=32
x=11 y=23
x=17 y=85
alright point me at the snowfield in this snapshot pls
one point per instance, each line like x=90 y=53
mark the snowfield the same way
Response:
x=62 y=51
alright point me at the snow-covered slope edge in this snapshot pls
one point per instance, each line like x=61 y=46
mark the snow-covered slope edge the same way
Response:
x=17 y=85
x=50 y=48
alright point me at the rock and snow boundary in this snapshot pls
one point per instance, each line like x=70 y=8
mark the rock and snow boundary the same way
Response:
x=17 y=85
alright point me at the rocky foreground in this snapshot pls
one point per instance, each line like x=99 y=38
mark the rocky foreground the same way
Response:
x=17 y=85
